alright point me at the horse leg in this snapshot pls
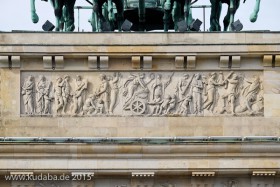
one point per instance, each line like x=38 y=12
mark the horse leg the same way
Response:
x=215 y=15
x=120 y=10
x=34 y=16
x=219 y=12
x=254 y=15
x=142 y=15
x=58 y=5
x=167 y=12
x=69 y=19
x=234 y=5
x=227 y=19
x=187 y=11
x=100 y=16
x=110 y=10
x=176 y=14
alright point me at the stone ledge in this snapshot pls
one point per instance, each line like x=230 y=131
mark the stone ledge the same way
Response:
x=41 y=38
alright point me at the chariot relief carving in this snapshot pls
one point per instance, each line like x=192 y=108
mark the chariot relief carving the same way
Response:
x=142 y=93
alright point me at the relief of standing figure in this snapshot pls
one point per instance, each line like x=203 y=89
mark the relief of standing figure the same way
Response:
x=210 y=92
x=79 y=94
x=158 y=92
x=58 y=94
x=197 y=89
x=43 y=98
x=65 y=93
x=182 y=86
x=231 y=85
x=103 y=92
x=28 y=95
x=114 y=92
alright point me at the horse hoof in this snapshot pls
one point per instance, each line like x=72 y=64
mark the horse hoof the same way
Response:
x=35 y=18
x=253 y=18
x=71 y=28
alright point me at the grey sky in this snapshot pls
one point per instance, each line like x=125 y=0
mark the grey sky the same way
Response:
x=15 y=15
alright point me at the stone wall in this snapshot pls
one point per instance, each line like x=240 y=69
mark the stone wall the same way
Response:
x=142 y=85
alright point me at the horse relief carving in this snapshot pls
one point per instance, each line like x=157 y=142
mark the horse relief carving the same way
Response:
x=147 y=94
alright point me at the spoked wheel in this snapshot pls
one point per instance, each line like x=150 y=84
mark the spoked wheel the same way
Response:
x=138 y=107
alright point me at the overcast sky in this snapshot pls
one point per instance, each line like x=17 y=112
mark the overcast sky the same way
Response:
x=15 y=15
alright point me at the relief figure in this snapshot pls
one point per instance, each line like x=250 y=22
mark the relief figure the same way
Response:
x=79 y=95
x=28 y=95
x=114 y=92
x=158 y=91
x=89 y=107
x=58 y=94
x=43 y=98
x=210 y=92
x=103 y=93
x=197 y=89
x=253 y=97
x=229 y=97
x=65 y=93
x=136 y=93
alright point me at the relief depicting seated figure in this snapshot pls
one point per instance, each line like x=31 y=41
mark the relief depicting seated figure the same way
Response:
x=168 y=104
x=135 y=87
x=184 y=106
x=89 y=107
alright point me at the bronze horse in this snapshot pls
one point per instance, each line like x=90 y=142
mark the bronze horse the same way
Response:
x=64 y=13
x=179 y=9
x=97 y=7
x=233 y=5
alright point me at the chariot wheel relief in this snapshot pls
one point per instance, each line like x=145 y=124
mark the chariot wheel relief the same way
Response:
x=138 y=107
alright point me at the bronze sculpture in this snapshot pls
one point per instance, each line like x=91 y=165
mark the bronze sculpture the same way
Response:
x=233 y=5
x=64 y=13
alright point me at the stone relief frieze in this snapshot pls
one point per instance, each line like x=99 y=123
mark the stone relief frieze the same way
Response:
x=227 y=93
x=230 y=183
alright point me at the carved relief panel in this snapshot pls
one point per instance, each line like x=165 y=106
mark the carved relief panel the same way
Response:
x=142 y=182
x=141 y=93
x=112 y=183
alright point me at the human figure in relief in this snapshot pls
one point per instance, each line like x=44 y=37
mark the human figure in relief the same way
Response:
x=89 y=107
x=229 y=97
x=58 y=94
x=79 y=95
x=114 y=91
x=210 y=92
x=158 y=90
x=65 y=93
x=197 y=88
x=43 y=98
x=134 y=86
x=103 y=92
x=28 y=95
x=183 y=86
